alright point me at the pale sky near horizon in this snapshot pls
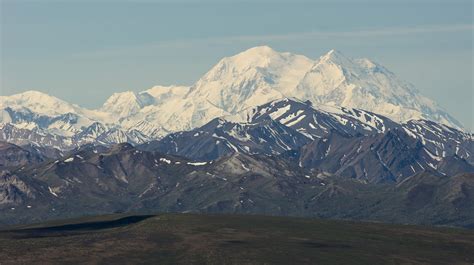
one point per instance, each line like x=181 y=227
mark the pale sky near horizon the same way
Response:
x=83 y=51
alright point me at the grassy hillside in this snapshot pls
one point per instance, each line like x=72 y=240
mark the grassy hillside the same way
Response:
x=227 y=239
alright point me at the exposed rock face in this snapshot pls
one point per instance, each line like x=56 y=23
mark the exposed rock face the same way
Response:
x=13 y=190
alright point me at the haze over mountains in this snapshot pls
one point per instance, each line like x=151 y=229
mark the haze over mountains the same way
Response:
x=262 y=132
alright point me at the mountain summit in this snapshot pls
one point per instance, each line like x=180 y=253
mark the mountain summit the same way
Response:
x=37 y=102
x=250 y=78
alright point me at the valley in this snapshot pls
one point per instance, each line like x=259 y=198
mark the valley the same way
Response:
x=231 y=239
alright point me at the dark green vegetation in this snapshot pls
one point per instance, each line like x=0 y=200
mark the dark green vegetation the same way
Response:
x=228 y=239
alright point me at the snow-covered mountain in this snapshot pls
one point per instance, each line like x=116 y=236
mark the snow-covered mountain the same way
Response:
x=234 y=85
x=162 y=94
x=33 y=116
x=42 y=104
x=316 y=121
x=337 y=80
x=260 y=74
x=441 y=140
x=39 y=103
x=251 y=78
x=342 y=141
x=37 y=110
x=287 y=124
x=131 y=105
x=124 y=104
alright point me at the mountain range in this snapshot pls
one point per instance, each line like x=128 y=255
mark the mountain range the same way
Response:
x=262 y=132
x=235 y=84
x=122 y=178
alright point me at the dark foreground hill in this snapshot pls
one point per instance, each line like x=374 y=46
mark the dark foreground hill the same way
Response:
x=231 y=239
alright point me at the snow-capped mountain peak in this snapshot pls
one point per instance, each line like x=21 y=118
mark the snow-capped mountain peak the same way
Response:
x=127 y=103
x=257 y=56
x=38 y=102
x=250 y=78
x=338 y=80
x=334 y=56
x=165 y=92
x=316 y=121
x=260 y=56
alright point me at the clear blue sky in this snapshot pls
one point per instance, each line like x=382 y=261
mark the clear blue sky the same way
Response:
x=82 y=51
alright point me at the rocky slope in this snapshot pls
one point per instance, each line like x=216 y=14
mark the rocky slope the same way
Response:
x=121 y=178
